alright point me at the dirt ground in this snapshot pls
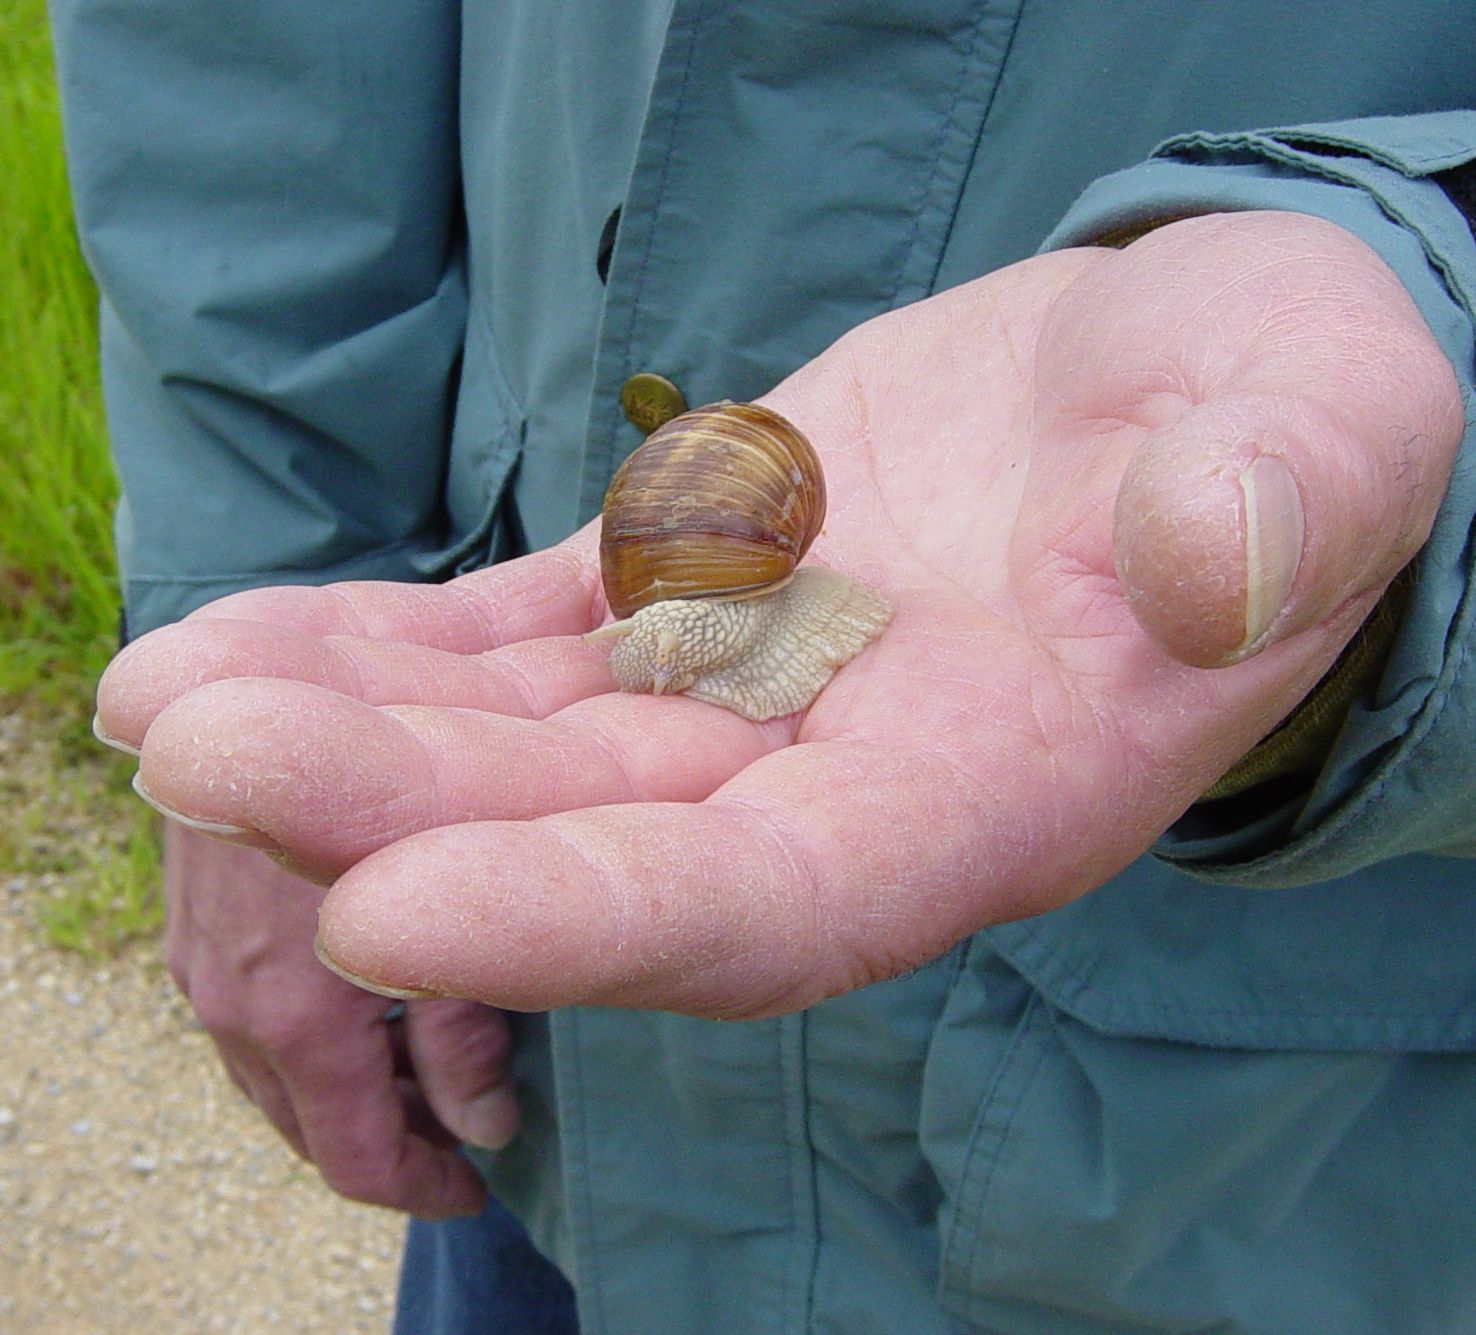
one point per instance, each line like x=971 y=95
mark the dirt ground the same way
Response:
x=139 y=1192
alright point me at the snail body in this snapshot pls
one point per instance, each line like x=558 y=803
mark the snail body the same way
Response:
x=704 y=529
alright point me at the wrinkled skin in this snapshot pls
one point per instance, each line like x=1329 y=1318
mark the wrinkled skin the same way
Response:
x=1128 y=506
x=369 y=1104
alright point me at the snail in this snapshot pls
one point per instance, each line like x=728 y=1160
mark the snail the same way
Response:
x=703 y=531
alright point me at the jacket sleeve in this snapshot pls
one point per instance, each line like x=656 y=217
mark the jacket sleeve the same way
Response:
x=1401 y=774
x=268 y=195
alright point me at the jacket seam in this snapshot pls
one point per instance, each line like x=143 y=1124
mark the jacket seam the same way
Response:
x=801 y=1275
x=942 y=218
x=673 y=123
x=612 y=350
x=591 y=1286
x=960 y=1257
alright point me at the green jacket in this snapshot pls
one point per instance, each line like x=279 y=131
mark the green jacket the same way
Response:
x=373 y=276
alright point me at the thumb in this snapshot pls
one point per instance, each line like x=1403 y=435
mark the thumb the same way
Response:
x=1250 y=519
x=462 y=1055
x=1210 y=531
x=1298 y=417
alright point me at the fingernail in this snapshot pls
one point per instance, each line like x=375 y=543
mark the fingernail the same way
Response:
x=489 y=1121
x=368 y=984
x=107 y=739
x=231 y=834
x=1274 y=529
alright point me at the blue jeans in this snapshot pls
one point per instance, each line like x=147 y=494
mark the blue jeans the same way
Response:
x=480 y=1276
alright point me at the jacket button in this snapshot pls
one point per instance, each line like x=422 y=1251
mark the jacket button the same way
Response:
x=650 y=400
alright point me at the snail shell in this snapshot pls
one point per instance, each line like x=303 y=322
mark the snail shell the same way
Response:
x=722 y=501
x=704 y=526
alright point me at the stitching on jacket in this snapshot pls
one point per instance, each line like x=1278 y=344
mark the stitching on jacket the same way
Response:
x=802 y=1273
x=972 y=1202
x=614 y=352
x=653 y=212
x=930 y=209
x=1089 y=1004
x=915 y=231
x=1116 y=1019
x=589 y=1256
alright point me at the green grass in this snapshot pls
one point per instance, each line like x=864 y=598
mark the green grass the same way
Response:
x=69 y=825
x=111 y=898
x=85 y=856
x=58 y=590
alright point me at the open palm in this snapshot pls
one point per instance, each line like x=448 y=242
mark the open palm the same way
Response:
x=1127 y=506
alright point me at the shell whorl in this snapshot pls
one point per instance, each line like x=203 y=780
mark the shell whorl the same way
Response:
x=721 y=502
x=704 y=526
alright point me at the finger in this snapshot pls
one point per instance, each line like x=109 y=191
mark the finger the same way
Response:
x=817 y=869
x=461 y=1053
x=528 y=678
x=203 y=883
x=552 y=592
x=1297 y=425
x=329 y=779
x=352 y=1116
x=820 y=869
x=256 y=1079
x=335 y=1099
x=340 y=1108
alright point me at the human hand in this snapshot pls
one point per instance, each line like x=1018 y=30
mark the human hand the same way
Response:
x=368 y=1103
x=1081 y=481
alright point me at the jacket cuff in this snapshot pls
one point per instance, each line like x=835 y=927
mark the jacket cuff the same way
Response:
x=1401 y=775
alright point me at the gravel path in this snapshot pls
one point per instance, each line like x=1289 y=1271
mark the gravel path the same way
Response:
x=139 y=1191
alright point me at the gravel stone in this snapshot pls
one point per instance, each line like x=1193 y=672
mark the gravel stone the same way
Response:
x=139 y=1190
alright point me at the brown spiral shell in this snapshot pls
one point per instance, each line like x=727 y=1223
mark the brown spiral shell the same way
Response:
x=720 y=502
